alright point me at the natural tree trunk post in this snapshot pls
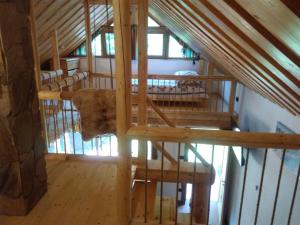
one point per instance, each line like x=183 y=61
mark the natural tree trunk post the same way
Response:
x=55 y=50
x=23 y=178
x=123 y=81
x=142 y=70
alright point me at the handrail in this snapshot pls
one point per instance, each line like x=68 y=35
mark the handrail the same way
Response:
x=172 y=77
x=217 y=137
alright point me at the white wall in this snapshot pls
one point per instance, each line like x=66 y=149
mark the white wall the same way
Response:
x=155 y=66
x=259 y=114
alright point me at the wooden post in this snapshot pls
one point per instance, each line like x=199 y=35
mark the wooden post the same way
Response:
x=232 y=97
x=88 y=36
x=142 y=69
x=209 y=85
x=201 y=66
x=55 y=51
x=200 y=201
x=123 y=93
x=210 y=72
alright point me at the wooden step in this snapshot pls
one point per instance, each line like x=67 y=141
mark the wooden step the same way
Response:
x=168 y=214
x=138 y=200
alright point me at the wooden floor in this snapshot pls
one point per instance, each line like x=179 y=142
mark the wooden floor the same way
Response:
x=79 y=193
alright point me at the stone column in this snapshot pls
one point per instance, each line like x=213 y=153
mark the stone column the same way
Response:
x=23 y=179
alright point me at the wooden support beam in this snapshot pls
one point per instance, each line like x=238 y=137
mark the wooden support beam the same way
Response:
x=209 y=84
x=216 y=137
x=168 y=156
x=142 y=70
x=55 y=51
x=88 y=35
x=142 y=60
x=122 y=32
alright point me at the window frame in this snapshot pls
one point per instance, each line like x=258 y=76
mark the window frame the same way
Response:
x=151 y=30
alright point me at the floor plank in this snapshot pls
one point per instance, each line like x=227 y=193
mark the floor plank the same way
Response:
x=79 y=193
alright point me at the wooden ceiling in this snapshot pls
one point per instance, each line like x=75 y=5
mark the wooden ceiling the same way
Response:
x=256 y=41
x=67 y=17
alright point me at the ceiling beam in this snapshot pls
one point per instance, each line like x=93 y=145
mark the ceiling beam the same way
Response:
x=254 y=45
x=293 y=56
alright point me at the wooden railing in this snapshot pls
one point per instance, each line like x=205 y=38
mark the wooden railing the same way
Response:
x=284 y=145
x=63 y=129
x=175 y=93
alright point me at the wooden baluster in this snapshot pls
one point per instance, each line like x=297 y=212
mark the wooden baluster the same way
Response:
x=261 y=185
x=278 y=186
x=294 y=196
x=210 y=181
x=161 y=185
x=193 y=190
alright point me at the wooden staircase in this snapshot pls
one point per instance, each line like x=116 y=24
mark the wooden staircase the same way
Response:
x=201 y=179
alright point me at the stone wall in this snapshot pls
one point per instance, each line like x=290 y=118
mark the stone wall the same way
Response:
x=23 y=179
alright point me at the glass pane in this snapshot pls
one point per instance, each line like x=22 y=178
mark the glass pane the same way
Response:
x=155 y=44
x=152 y=23
x=175 y=48
x=110 y=43
x=81 y=50
x=96 y=46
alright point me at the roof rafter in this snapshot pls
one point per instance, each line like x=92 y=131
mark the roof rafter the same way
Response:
x=179 y=14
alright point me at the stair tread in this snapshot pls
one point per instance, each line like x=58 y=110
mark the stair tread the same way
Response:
x=138 y=199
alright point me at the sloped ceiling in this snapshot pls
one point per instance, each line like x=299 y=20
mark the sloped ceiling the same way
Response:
x=67 y=17
x=256 y=41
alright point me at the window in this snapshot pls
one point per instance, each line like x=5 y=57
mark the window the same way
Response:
x=155 y=44
x=176 y=50
x=135 y=149
x=161 y=43
x=152 y=23
x=96 y=46
x=81 y=50
x=110 y=43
